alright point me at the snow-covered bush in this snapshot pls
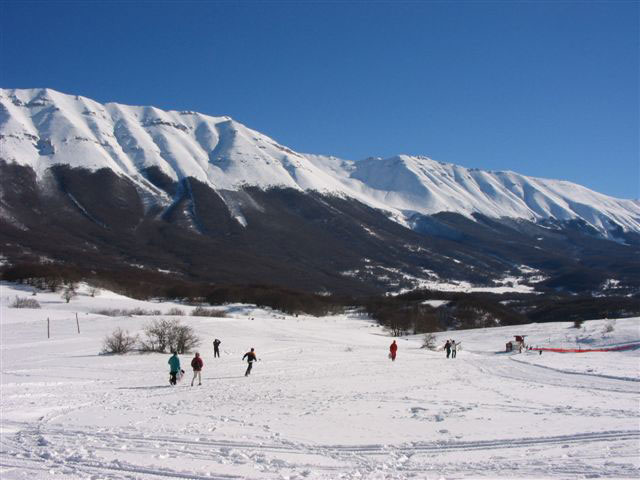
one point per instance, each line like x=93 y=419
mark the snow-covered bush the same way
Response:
x=119 y=342
x=94 y=291
x=175 y=311
x=208 y=312
x=22 y=302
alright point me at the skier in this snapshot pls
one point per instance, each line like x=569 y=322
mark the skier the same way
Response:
x=174 y=368
x=251 y=357
x=393 y=348
x=447 y=347
x=454 y=348
x=216 y=348
x=197 y=365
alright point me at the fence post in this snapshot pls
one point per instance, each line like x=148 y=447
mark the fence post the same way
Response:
x=77 y=323
x=48 y=329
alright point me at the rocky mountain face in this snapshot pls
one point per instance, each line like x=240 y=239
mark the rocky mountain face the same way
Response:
x=207 y=199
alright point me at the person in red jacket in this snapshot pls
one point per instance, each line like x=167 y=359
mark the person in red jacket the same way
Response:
x=393 y=349
x=197 y=365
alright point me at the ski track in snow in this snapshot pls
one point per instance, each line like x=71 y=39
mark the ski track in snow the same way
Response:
x=209 y=450
x=568 y=372
x=324 y=402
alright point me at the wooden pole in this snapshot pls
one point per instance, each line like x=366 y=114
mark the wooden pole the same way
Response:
x=48 y=329
x=77 y=323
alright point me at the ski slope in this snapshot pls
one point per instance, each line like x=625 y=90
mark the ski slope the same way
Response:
x=323 y=402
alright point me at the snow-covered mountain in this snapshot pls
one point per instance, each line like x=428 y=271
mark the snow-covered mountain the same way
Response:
x=130 y=191
x=40 y=128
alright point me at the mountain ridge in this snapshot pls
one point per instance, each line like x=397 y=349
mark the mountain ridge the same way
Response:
x=42 y=127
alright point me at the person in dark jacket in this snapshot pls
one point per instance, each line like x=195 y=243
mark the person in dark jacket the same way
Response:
x=174 y=368
x=216 y=348
x=251 y=357
x=447 y=347
x=197 y=365
x=393 y=349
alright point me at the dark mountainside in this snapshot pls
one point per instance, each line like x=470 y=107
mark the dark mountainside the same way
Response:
x=304 y=251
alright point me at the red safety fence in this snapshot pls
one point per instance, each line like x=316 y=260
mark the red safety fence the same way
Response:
x=585 y=350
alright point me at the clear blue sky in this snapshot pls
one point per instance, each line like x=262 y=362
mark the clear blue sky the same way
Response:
x=548 y=89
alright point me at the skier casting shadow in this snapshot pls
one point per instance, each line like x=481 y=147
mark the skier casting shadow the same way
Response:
x=251 y=357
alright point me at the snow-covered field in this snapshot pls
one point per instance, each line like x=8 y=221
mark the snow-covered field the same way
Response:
x=324 y=401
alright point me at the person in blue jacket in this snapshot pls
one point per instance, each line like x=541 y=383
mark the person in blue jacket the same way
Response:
x=174 y=368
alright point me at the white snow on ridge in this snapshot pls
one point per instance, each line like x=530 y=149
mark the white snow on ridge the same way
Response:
x=420 y=184
x=42 y=127
x=323 y=402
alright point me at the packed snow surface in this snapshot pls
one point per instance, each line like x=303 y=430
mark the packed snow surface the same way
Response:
x=323 y=402
x=42 y=127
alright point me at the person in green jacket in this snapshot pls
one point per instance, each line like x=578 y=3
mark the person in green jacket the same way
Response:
x=174 y=368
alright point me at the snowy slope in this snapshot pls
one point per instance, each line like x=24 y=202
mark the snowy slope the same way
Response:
x=426 y=186
x=323 y=402
x=42 y=127
x=45 y=127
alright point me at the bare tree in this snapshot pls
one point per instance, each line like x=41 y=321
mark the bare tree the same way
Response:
x=94 y=291
x=53 y=283
x=429 y=341
x=184 y=339
x=69 y=292
x=169 y=334
x=207 y=312
x=157 y=335
x=119 y=342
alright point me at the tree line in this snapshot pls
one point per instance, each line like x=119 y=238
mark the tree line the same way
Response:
x=412 y=313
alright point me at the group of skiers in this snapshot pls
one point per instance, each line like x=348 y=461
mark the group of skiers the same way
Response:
x=176 y=372
x=451 y=348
